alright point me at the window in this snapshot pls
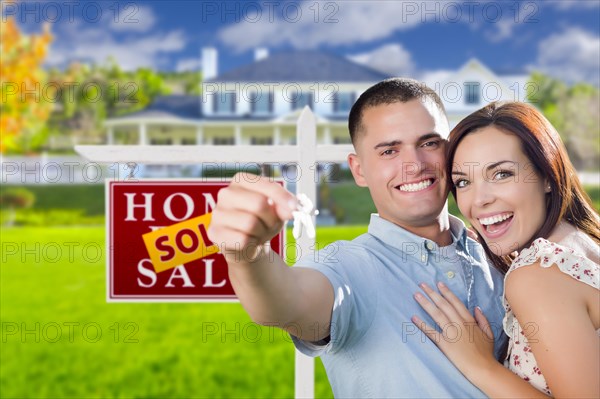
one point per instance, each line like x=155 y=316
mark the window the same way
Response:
x=342 y=140
x=342 y=102
x=188 y=141
x=472 y=92
x=261 y=102
x=223 y=141
x=224 y=103
x=302 y=99
x=261 y=140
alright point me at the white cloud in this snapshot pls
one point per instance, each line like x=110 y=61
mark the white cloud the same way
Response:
x=130 y=17
x=340 y=23
x=188 y=64
x=389 y=58
x=572 y=4
x=95 y=43
x=573 y=55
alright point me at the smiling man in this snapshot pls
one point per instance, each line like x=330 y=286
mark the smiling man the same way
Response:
x=352 y=303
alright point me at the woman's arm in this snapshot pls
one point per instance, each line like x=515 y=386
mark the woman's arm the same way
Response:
x=564 y=340
x=469 y=343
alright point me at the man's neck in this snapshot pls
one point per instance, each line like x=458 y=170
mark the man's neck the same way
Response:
x=438 y=231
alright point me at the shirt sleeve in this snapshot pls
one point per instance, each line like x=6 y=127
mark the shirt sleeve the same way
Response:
x=351 y=271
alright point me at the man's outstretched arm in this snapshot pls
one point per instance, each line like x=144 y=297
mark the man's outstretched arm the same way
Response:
x=250 y=212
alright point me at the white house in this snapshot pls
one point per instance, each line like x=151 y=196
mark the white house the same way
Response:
x=257 y=103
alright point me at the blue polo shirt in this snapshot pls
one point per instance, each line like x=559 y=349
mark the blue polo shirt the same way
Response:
x=374 y=349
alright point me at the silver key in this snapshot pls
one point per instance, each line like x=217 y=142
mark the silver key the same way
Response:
x=303 y=217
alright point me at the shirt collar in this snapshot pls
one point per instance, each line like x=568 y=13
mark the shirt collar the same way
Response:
x=392 y=234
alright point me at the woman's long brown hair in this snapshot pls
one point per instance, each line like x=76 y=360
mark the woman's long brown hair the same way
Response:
x=545 y=150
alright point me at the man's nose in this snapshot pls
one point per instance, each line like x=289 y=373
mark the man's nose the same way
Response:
x=412 y=162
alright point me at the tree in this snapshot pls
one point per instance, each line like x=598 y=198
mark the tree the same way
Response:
x=573 y=111
x=23 y=108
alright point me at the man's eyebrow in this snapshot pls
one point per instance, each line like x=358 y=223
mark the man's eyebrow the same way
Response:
x=398 y=142
x=388 y=144
x=488 y=167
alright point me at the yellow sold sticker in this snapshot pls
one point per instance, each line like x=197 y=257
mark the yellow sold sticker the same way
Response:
x=180 y=243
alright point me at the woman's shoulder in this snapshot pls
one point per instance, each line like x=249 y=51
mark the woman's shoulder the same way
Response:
x=544 y=253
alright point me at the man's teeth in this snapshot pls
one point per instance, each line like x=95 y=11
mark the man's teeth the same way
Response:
x=495 y=219
x=416 y=186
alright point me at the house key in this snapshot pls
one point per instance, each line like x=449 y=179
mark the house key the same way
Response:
x=303 y=217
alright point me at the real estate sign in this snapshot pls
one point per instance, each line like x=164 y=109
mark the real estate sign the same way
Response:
x=158 y=248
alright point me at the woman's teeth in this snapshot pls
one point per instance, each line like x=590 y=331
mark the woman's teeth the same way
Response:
x=495 y=219
x=416 y=186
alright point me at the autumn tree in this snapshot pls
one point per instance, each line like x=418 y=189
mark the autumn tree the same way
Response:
x=23 y=108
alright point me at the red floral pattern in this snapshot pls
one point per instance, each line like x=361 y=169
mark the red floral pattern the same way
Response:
x=520 y=359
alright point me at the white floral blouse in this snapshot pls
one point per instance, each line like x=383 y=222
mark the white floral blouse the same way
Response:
x=520 y=359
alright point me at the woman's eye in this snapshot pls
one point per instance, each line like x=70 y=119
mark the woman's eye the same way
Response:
x=502 y=174
x=460 y=183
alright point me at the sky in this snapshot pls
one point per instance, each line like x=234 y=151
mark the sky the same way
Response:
x=409 y=38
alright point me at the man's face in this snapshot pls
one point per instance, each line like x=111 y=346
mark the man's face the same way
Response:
x=401 y=158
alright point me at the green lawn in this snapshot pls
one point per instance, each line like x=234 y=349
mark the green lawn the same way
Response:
x=145 y=350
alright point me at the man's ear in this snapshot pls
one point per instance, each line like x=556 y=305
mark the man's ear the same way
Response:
x=356 y=169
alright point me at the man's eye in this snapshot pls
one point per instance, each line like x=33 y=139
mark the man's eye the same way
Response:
x=388 y=152
x=432 y=143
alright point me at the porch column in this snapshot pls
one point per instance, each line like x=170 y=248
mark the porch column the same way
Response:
x=142 y=134
x=199 y=135
x=238 y=135
x=327 y=135
x=111 y=135
x=277 y=135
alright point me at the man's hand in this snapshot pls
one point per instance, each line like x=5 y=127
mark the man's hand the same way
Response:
x=249 y=212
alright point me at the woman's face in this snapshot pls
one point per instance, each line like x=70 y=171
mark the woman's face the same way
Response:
x=498 y=189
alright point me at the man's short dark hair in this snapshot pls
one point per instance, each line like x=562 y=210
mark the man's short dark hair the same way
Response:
x=389 y=91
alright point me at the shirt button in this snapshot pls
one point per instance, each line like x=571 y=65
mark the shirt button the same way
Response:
x=450 y=274
x=423 y=258
x=429 y=245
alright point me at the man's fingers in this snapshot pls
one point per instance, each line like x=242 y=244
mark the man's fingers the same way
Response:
x=284 y=202
x=237 y=200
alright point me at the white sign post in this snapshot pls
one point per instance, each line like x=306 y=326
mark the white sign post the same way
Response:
x=306 y=154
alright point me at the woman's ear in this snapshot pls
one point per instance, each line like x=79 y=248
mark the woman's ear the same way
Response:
x=547 y=186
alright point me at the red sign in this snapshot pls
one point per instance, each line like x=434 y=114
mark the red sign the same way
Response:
x=135 y=209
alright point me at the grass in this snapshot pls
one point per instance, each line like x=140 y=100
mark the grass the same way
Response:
x=145 y=350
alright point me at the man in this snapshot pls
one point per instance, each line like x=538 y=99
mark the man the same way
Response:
x=352 y=304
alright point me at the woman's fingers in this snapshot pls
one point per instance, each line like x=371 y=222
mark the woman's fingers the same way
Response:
x=483 y=323
x=459 y=307
x=441 y=303
x=438 y=315
x=429 y=331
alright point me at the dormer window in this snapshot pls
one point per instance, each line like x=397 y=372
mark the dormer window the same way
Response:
x=472 y=93
x=342 y=102
x=302 y=99
x=261 y=103
x=224 y=103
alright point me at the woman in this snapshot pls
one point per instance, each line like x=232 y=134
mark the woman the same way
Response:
x=513 y=181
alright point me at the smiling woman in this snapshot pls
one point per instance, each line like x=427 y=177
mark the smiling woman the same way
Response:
x=514 y=182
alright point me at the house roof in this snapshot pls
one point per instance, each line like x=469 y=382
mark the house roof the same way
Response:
x=170 y=107
x=302 y=66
